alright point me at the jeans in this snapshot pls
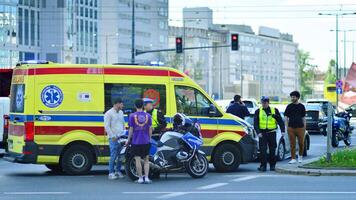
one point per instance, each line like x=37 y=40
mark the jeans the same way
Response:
x=115 y=149
x=268 y=140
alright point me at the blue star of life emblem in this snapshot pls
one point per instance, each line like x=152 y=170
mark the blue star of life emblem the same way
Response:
x=52 y=96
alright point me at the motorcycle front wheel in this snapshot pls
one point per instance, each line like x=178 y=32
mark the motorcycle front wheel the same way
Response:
x=347 y=141
x=334 y=140
x=197 y=167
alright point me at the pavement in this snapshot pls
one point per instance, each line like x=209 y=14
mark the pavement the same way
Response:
x=301 y=169
x=21 y=181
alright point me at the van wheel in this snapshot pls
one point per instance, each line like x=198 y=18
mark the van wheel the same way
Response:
x=56 y=168
x=77 y=160
x=227 y=158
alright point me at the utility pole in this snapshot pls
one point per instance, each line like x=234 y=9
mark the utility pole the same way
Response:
x=133 y=34
x=337 y=58
x=337 y=14
x=344 y=53
x=184 y=45
x=106 y=49
x=241 y=76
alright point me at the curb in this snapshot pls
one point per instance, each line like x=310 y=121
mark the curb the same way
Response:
x=301 y=170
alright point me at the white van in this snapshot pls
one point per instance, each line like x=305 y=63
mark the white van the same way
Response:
x=4 y=111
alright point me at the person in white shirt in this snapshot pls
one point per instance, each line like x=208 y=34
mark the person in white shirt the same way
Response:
x=114 y=127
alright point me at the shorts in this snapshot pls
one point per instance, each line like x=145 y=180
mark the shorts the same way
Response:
x=141 y=150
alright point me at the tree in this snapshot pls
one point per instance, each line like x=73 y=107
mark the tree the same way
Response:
x=175 y=60
x=306 y=72
x=330 y=73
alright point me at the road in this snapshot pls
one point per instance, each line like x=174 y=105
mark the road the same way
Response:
x=19 y=181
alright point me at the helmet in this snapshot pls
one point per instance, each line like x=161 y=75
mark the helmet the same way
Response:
x=178 y=120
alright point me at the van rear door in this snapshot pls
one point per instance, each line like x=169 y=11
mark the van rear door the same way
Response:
x=18 y=121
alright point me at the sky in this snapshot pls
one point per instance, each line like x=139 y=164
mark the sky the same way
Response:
x=297 y=17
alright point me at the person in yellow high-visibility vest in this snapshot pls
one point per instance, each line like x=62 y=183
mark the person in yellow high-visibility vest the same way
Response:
x=266 y=122
x=158 y=120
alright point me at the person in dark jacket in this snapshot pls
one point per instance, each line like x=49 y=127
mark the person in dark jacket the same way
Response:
x=238 y=108
x=265 y=123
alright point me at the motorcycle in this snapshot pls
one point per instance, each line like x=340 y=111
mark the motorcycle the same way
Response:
x=341 y=128
x=176 y=150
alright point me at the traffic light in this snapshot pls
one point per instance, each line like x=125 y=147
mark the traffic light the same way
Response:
x=179 y=45
x=234 y=42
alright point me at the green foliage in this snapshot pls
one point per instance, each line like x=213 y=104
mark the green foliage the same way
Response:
x=175 y=61
x=330 y=74
x=343 y=158
x=306 y=72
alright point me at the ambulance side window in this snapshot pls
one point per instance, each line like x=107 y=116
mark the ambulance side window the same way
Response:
x=191 y=101
x=130 y=92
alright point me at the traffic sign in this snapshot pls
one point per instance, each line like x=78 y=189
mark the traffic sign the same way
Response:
x=339 y=84
x=339 y=90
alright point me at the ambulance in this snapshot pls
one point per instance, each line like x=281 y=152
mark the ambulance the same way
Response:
x=56 y=113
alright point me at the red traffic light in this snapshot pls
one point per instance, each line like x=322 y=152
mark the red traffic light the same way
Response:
x=234 y=42
x=178 y=40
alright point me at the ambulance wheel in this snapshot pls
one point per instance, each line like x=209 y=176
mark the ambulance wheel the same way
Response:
x=56 y=168
x=227 y=158
x=77 y=160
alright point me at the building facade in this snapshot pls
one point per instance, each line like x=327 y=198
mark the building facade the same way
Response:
x=265 y=64
x=80 y=31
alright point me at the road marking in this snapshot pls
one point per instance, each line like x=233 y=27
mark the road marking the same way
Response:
x=171 y=195
x=270 y=175
x=245 y=178
x=36 y=193
x=243 y=192
x=207 y=187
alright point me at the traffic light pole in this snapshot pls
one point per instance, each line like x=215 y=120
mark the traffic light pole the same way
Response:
x=139 y=52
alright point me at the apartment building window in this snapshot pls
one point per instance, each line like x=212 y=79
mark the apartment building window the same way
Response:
x=161 y=39
x=32 y=28
x=86 y=34
x=26 y=26
x=60 y=3
x=20 y=23
x=38 y=28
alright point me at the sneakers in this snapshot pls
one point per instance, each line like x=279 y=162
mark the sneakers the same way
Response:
x=140 y=181
x=112 y=176
x=119 y=175
x=147 y=180
x=293 y=161
x=300 y=159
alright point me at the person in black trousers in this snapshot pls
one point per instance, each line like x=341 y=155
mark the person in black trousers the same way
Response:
x=266 y=122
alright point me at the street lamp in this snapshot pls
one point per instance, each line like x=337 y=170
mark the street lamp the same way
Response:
x=337 y=14
x=353 y=47
x=184 y=35
x=351 y=30
x=106 y=43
